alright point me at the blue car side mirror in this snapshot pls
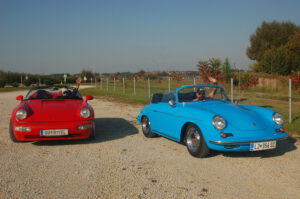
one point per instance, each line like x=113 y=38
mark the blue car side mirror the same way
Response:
x=171 y=103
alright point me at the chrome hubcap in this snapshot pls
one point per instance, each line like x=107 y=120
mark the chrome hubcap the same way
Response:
x=193 y=139
x=145 y=125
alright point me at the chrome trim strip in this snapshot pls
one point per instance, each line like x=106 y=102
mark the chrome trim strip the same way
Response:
x=246 y=142
x=165 y=135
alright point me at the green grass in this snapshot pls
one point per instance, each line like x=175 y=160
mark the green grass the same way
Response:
x=276 y=100
x=127 y=94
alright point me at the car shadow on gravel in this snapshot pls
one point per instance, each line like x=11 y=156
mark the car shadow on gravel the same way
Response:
x=283 y=147
x=107 y=129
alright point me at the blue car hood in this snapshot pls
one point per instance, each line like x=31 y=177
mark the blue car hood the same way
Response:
x=235 y=115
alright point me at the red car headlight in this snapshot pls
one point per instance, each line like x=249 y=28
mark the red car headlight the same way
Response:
x=85 y=112
x=21 y=114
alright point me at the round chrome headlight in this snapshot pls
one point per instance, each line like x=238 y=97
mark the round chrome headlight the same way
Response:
x=278 y=119
x=21 y=114
x=85 y=113
x=219 y=122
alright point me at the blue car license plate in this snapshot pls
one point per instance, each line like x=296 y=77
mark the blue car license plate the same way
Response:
x=258 y=146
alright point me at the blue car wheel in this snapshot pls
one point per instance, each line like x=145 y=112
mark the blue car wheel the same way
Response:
x=195 y=142
x=146 y=128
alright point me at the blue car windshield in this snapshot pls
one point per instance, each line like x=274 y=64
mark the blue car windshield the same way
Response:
x=201 y=93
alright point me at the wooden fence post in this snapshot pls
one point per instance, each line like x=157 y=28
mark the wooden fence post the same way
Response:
x=231 y=89
x=149 y=93
x=290 y=100
x=134 y=86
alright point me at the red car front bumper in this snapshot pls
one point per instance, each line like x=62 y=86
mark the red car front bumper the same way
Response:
x=37 y=127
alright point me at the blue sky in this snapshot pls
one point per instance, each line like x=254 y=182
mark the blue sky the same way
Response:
x=66 y=36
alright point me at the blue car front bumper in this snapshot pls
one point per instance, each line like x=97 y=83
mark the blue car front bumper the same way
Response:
x=243 y=145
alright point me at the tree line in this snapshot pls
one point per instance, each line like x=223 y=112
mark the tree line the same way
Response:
x=275 y=48
x=15 y=79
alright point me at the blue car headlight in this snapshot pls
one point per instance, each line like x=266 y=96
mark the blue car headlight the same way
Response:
x=219 y=122
x=278 y=118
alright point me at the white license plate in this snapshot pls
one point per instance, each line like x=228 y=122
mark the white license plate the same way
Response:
x=54 y=132
x=262 y=145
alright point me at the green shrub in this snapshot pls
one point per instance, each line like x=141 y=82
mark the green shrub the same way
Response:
x=48 y=82
x=15 y=84
x=27 y=82
x=2 y=83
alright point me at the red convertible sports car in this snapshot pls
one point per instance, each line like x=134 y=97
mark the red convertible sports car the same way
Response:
x=52 y=113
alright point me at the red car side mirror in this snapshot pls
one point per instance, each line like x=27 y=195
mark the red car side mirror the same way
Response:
x=20 y=98
x=88 y=97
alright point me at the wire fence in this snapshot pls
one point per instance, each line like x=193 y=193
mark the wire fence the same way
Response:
x=280 y=96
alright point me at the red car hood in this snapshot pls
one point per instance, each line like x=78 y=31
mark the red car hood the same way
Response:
x=55 y=110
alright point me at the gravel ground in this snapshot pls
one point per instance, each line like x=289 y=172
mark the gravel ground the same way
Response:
x=122 y=163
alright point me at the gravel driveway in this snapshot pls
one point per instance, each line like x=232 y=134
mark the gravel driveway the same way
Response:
x=122 y=163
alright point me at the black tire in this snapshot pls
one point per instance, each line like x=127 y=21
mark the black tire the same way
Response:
x=195 y=143
x=146 y=127
x=93 y=134
x=11 y=133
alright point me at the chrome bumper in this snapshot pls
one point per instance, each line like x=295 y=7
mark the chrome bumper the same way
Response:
x=244 y=142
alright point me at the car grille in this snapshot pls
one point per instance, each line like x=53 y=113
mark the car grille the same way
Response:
x=38 y=136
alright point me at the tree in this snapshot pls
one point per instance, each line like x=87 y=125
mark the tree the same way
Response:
x=269 y=36
x=71 y=79
x=276 y=48
x=141 y=74
x=151 y=76
x=276 y=61
x=49 y=81
x=255 y=67
x=212 y=68
x=27 y=82
x=87 y=73
x=227 y=71
x=2 y=83
x=293 y=47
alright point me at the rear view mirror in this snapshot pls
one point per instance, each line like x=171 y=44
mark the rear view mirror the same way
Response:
x=171 y=103
x=88 y=97
x=20 y=98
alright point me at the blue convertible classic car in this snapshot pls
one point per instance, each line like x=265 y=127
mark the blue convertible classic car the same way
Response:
x=202 y=117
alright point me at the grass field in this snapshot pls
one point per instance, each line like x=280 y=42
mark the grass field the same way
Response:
x=276 y=100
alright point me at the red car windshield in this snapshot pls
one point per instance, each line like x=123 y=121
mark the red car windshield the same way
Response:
x=53 y=93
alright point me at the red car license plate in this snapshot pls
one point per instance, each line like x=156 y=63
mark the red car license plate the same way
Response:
x=54 y=132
